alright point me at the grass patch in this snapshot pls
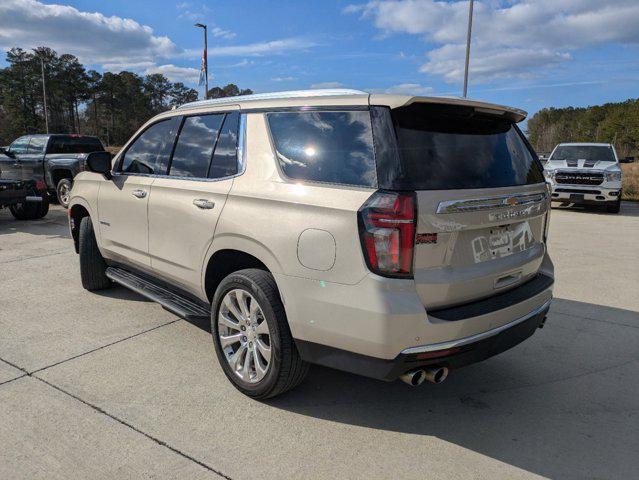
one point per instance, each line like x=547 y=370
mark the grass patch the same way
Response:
x=630 y=181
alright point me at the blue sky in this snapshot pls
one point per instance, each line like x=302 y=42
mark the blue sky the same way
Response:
x=526 y=53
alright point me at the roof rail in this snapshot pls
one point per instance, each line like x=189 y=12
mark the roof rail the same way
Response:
x=325 y=92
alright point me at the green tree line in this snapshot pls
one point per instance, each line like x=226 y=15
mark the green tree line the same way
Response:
x=111 y=106
x=616 y=123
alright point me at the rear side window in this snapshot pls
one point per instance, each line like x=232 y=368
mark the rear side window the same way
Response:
x=334 y=147
x=224 y=162
x=195 y=146
x=74 y=144
x=150 y=152
x=441 y=147
x=37 y=144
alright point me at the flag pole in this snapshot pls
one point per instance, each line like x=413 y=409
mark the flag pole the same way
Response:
x=205 y=62
x=468 y=33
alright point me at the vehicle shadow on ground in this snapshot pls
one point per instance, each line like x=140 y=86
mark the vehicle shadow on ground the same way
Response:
x=54 y=225
x=121 y=293
x=628 y=209
x=562 y=404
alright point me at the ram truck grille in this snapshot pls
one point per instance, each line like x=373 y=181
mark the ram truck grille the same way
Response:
x=575 y=178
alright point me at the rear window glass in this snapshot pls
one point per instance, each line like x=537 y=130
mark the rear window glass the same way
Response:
x=595 y=153
x=195 y=145
x=72 y=144
x=441 y=147
x=224 y=162
x=334 y=147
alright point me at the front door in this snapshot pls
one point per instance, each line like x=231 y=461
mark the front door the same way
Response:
x=123 y=202
x=10 y=166
x=185 y=205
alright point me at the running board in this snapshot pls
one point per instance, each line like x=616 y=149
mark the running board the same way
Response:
x=174 y=303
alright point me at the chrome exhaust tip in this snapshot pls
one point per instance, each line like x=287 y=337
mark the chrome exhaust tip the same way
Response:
x=414 y=378
x=435 y=374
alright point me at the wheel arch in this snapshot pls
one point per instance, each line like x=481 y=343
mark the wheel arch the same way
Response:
x=77 y=212
x=59 y=173
x=231 y=253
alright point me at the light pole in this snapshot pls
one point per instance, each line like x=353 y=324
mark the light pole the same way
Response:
x=470 y=27
x=205 y=61
x=44 y=96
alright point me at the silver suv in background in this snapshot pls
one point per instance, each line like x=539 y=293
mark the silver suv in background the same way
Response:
x=386 y=235
x=585 y=174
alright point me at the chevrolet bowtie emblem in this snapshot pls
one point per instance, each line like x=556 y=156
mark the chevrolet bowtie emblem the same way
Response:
x=512 y=201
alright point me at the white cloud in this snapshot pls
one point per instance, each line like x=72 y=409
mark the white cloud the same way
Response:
x=283 y=79
x=510 y=38
x=327 y=85
x=176 y=74
x=273 y=47
x=409 y=89
x=93 y=37
x=172 y=72
x=221 y=33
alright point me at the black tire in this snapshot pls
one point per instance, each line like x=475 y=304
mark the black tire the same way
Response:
x=92 y=265
x=614 y=207
x=286 y=369
x=62 y=191
x=31 y=210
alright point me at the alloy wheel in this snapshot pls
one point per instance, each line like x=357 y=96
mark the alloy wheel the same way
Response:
x=244 y=335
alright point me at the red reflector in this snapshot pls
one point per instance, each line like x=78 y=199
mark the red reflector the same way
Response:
x=437 y=353
x=40 y=185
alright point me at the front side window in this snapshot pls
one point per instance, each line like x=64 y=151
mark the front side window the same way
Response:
x=326 y=146
x=74 y=144
x=150 y=152
x=19 y=146
x=37 y=144
x=195 y=145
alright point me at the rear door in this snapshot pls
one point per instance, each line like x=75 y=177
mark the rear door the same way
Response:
x=185 y=205
x=123 y=202
x=481 y=201
x=32 y=162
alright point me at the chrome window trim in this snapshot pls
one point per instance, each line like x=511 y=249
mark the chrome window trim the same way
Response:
x=489 y=203
x=241 y=156
x=477 y=337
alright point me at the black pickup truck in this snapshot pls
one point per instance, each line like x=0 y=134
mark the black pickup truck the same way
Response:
x=53 y=159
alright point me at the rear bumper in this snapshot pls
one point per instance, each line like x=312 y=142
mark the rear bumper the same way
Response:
x=14 y=191
x=453 y=354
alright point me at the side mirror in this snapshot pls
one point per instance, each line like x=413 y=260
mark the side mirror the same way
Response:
x=99 y=162
x=627 y=160
x=7 y=152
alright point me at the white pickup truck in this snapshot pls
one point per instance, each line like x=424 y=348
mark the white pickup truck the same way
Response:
x=585 y=174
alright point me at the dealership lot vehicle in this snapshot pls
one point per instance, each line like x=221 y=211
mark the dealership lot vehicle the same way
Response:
x=23 y=199
x=52 y=160
x=324 y=227
x=585 y=174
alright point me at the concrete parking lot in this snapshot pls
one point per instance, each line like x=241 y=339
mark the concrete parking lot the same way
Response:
x=110 y=385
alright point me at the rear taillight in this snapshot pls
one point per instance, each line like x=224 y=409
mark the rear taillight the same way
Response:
x=387 y=232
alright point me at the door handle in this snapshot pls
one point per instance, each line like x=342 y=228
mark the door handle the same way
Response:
x=139 y=193
x=203 y=203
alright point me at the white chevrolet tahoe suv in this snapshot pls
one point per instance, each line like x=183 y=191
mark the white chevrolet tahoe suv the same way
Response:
x=585 y=174
x=386 y=235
